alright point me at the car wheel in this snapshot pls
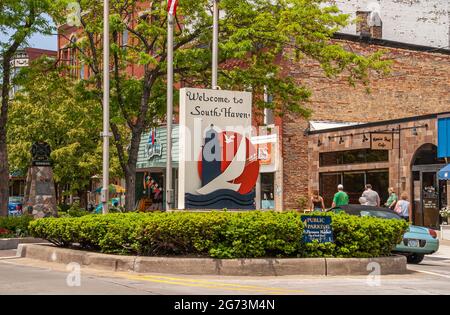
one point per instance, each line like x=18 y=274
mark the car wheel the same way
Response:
x=414 y=258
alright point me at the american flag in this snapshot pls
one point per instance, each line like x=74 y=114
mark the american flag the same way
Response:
x=172 y=6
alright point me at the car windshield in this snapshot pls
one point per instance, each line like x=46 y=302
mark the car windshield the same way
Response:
x=379 y=214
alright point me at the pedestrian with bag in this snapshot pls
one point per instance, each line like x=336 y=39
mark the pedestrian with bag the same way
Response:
x=403 y=208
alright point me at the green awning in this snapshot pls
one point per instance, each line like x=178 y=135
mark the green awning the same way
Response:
x=154 y=156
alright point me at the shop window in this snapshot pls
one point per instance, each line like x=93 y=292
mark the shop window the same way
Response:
x=328 y=186
x=353 y=157
x=267 y=191
x=354 y=184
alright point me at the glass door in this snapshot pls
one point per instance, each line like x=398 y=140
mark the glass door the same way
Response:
x=430 y=199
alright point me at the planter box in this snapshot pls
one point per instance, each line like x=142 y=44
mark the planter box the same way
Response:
x=211 y=266
x=445 y=232
x=12 y=243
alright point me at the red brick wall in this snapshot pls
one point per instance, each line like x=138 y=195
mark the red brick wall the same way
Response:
x=418 y=84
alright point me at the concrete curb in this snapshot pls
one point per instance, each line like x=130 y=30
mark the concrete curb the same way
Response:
x=210 y=266
x=12 y=243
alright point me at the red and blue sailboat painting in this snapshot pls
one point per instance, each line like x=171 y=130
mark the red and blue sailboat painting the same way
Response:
x=228 y=170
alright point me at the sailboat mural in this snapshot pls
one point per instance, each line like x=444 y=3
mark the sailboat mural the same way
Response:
x=228 y=169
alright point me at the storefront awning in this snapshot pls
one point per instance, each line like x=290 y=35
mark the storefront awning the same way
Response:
x=444 y=173
x=152 y=150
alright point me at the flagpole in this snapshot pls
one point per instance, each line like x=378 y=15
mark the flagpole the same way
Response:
x=105 y=133
x=215 y=44
x=169 y=108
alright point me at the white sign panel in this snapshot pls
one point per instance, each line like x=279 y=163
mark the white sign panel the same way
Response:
x=218 y=165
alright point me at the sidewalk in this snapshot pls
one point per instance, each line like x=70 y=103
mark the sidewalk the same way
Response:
x=444 y=249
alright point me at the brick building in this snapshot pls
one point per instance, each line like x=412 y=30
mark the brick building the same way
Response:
x=417 y=85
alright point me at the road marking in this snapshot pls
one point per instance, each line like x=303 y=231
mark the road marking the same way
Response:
x=434 y=273
x=211 y=284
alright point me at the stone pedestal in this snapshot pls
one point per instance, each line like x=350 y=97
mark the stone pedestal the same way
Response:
x=40 y=197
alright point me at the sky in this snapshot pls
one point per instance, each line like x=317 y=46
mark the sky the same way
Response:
x=39 y=41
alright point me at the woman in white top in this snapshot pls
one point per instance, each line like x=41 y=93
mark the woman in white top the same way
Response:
x=403 y=207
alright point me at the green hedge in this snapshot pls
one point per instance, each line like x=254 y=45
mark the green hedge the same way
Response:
x=17 y=225
x=219 y=234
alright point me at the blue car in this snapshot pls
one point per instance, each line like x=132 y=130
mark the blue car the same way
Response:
x=15 y=206
x=417 y=242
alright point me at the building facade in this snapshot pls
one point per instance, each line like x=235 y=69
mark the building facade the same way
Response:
x=420 y=22
x=400 y=153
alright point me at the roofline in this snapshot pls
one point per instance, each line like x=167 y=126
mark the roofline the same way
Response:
x=378 y=123
x=390 y=43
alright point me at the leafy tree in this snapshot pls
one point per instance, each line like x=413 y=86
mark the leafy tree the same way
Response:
x=255 y=34
x=48 y=108
x=18 y=21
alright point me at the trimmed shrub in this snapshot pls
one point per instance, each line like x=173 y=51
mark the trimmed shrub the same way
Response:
x=220 y=234
x=17 y=226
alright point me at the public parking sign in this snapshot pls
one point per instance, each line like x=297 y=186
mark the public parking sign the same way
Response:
x=317 y=228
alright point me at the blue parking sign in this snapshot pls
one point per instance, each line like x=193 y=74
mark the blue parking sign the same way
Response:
x=317 y=228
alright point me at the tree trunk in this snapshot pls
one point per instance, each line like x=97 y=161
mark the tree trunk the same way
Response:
x=130 y=170
x=130 y=195
x=4 y=168
x=83 y=198
x=4 y=176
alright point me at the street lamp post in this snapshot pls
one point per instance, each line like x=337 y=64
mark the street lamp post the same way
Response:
x=169 y=108
x=105 y=133
x=215 y=44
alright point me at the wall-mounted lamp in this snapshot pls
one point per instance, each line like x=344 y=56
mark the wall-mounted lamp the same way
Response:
x=341 y=140
x=414 y=131
x=365 y=138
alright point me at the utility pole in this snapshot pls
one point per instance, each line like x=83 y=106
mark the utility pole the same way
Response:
x=105 y=133
x=215 y=44
x=171 y=15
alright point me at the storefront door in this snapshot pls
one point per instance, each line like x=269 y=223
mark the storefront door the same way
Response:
x=427 y=193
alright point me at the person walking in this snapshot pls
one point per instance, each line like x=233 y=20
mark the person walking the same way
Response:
x=317 y=202
x=403 y=208
x=392 y=200
x=372 y=197
x=340 y=198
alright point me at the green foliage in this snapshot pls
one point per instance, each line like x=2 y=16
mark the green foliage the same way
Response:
x=220 y=234
x=367 y=236
x=257 y=36
x=73 y=211
x=49 y=109
x=18 y=225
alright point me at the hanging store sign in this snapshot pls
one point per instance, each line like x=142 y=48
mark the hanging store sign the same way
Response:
x=218 y=165
x=265 y=153
x=381 y=141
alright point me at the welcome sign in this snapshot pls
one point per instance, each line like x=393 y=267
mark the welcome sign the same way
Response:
x=218 y=165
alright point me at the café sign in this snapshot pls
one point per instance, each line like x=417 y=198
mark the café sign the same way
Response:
x=381 y=141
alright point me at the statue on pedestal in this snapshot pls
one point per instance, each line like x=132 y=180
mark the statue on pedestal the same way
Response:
x=40 y=196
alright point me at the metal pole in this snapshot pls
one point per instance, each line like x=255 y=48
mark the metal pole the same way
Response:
x=169 y=111
x=105 y=133
x=215 y=44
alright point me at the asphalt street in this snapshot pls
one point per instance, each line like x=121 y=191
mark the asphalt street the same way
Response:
x=25 y=276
